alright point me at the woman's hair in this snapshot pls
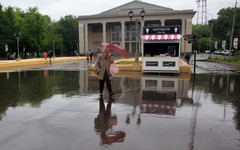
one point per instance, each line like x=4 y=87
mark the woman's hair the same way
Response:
x=105 y=50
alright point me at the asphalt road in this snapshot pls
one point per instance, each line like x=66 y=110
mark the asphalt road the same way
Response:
x=203 y=66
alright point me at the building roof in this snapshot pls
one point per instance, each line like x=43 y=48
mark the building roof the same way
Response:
x=136 y=7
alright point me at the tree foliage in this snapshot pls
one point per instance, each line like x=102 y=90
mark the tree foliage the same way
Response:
x=68 y=28
x=36 y=31
x=221 y=29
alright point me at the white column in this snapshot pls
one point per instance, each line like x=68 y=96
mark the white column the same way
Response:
x=142 y=25
x=86 y=38
x=188 y=31
x=104 y=32
x=162 y=22
x=123 y=34
x=183 y=31
x=81 y=38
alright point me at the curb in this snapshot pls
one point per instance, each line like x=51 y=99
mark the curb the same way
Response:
x=36 y=61
x=135 y=67
x=183 y=66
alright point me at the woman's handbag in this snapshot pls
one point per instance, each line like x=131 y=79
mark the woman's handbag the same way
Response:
x=114 y=69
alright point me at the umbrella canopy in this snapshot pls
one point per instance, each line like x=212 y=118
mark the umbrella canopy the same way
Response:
x=116 y=48
x=112 y=137
x=45 y=54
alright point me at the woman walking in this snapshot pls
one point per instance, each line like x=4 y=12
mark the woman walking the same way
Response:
x=102 y=68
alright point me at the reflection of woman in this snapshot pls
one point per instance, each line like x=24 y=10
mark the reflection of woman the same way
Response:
x=105 y=121
x=102 y=68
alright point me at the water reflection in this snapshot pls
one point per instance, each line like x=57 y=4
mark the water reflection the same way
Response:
x=32 y=87
x=159 y=95
x=104 y=122
x=223 y=90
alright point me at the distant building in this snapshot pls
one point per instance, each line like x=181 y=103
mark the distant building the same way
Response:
x=114 y=25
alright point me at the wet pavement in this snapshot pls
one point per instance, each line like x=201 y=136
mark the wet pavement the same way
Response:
x=59 y=108
x=205 y=67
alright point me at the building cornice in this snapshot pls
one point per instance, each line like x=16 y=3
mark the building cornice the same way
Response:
x=160 y=13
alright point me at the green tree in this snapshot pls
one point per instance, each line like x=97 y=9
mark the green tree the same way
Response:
x=50 y=33
x=222 y=26
x=1 y=32
x=67 y=27
x=34 y=30
x=221 y=30
x=203 y=43
x=8 y=28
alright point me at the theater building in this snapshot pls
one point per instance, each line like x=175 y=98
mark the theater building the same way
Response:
x=115 y=26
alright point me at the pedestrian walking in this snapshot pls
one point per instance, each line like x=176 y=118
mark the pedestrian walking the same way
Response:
x=50 y=54
x=88 y=55
x=187 y=56
x=45 y=54
x=102 y=68
x=91 y=55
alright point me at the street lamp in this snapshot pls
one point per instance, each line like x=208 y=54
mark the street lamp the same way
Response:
x=77 y=41
x=142 y=14
x=211 y=39
x=211 y=35
x=53 y=40
x=17 y=36
x=231 y=38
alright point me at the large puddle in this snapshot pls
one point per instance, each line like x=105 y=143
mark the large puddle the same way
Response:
x=59 y=110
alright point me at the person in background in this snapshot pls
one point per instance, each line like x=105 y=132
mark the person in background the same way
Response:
x=102 y=68
x=45 y=54
x=50 y=54
x=187 y=56
x=91 y=55
x=88 y=55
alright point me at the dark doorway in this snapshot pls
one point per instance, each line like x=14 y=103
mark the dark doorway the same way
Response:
x=169 y=49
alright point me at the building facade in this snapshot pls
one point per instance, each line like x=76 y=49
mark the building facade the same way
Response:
x=115 y=26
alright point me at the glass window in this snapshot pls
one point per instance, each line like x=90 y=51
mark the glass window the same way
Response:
x=127 y=46
x=116 y=28
x=115 y=36
x=133 y=27
x=116 y=33
x=126 y=28
x=133 y=36
x=127 y=36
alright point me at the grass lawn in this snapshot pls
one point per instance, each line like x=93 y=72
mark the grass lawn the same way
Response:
x=232 y=60
x=126 y=62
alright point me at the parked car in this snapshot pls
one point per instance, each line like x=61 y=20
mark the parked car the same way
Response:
x=207 y=52
x=225 y=52
x=218 y=52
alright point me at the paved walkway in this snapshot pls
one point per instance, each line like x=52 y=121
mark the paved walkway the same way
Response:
x=36 y=61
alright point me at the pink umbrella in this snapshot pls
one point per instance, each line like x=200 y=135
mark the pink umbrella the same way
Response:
x=112 y=137
x=116 y=48
x=45 y=54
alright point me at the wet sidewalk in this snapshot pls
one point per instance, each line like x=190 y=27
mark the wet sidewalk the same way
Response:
x=36 y=61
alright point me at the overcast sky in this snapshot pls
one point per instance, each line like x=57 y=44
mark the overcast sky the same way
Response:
x=60 y=8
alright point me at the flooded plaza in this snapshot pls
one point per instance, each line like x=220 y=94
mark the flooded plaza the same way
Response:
x=59 y=108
